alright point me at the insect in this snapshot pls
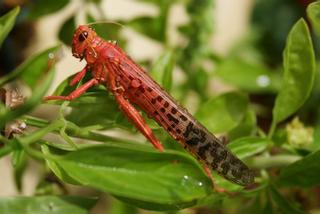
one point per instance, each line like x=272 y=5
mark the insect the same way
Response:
x=130 y=84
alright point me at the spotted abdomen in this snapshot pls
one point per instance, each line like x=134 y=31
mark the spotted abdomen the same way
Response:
x=182 y=126
x=214 y=154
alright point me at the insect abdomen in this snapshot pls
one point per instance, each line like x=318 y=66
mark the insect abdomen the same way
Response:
x=183 y=127
x=214 y=154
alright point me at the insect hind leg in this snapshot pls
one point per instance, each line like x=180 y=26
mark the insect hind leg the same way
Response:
x=215 y=187
x=138 y=121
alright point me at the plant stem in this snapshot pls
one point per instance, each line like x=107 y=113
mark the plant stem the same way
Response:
x=41 y=132
x=75 y=131
x=272 y=129
x=274 y=161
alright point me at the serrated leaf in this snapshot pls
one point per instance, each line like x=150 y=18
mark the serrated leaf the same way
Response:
x=7 y=23
x=223 y=113
x=46 y=204
x=299 y=72
x=138 y=173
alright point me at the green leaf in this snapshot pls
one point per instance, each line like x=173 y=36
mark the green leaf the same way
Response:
x=138 y=173
x=19 y=160
x=299 y=73
x=44 y=68
x=67 y=30
x=7 y=23
x=33 y=68
x=19 y=168
x=268 y=209
x=285 y=206
x=57 y=170
x=161 y=71
x=17 y=157
x=94 y=1
x=248 y=76
x=248 y=146
x=108 y=31
x=304 y=172
x=313 y=12
x=96 y=107
x=46 y=204
x=223 y=113
x=246 y=127
x=40 y=8
x=153 y=27
x=119 y=207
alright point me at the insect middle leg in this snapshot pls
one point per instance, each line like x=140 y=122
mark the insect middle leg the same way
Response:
x=138 y=120
x=79 y=76
x=76 y=93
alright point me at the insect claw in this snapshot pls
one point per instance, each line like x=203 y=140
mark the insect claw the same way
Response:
x=224 y=139
x=113 y=42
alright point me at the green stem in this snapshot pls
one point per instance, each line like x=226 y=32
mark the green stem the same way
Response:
x=272 y=129
x=75 y=131
x=34 y=121
x=4 y=140
x=32 y=137
x=5 y=150
x=34 y=153
x=62 y=131
x=273 y=161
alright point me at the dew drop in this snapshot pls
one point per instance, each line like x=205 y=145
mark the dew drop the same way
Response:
x=263 y=80
x=185 y=180
x=51 y=55
x=200 y=184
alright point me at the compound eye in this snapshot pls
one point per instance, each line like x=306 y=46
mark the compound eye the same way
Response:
x=83 y=36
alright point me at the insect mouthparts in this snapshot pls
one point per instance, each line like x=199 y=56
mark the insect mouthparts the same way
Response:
x=75 y=55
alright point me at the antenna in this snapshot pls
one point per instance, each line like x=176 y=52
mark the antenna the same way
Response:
x=106 y=22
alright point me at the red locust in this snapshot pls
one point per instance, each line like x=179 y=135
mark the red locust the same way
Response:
x=130 y=84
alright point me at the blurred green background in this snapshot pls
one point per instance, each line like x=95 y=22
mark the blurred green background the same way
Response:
x=246 y=69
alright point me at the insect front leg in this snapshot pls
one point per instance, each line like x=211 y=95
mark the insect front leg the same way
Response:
x=138 y=120
x=79 y=76
x=76 y=93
